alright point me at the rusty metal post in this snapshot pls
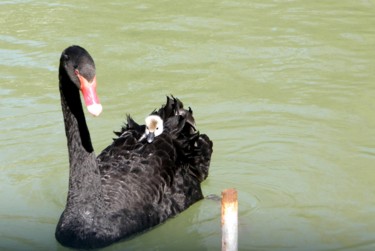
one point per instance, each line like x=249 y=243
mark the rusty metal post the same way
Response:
x=229 y=220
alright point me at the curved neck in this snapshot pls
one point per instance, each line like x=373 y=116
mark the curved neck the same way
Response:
x=74 y=117
x=84 y=178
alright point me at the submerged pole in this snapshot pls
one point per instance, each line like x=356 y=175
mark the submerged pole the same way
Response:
x=229 y=220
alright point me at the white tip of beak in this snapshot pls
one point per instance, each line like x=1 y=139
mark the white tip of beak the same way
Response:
x=95 y=109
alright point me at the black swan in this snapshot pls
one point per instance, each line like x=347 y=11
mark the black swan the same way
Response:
x=138 y=181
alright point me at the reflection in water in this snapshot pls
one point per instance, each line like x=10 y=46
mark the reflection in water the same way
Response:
x=284 y=89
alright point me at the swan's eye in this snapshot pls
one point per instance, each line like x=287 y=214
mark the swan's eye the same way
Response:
x=147 y=127
x=157 y=128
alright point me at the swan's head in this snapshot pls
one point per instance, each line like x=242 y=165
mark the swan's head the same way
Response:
x=154 y=127
x=78 y=65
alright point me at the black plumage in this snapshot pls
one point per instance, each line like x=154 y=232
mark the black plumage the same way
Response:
x=132 y=185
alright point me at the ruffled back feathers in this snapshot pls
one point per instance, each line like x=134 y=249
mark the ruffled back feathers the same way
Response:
x=193 y=149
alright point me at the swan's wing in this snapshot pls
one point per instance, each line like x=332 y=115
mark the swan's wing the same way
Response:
x=139 y=176
x=194 y=150
x=131 y=127
x=200 y=157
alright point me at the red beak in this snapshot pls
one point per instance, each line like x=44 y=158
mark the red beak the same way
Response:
x=89 y=95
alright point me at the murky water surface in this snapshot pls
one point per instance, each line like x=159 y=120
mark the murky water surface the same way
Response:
x=285 y=89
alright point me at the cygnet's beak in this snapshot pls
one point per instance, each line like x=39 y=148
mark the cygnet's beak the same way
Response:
x=150 y=137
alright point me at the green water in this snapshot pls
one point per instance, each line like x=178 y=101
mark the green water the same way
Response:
x=285 y=89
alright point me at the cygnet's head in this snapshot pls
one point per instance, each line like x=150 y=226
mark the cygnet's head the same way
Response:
x=154 y=127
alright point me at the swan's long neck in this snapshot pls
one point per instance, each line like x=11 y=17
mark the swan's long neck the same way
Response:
x=84 y=178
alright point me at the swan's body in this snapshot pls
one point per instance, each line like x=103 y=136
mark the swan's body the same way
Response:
x=132 y=185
